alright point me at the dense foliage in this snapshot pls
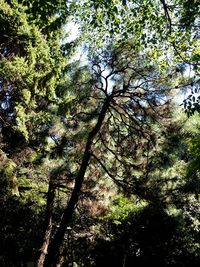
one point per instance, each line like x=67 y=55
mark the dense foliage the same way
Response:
x=99 y=165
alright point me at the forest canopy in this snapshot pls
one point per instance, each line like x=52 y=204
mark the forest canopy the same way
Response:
x=99 y=154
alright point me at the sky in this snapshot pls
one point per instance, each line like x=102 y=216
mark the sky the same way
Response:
x=73 y=32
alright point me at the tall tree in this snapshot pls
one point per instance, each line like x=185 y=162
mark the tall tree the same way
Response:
x=128 y=103
x=56 y=118
x=33 y=79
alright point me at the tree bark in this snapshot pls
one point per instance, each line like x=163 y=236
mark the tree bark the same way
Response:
x=47 y=224
x=54 y=247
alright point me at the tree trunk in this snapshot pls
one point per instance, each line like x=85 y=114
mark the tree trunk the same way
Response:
x=45 y=246
x=56 y=243
x=47 y=225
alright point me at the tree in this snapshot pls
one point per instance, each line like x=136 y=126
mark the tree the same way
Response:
x=168 y=30
x=159 y=226
x=57 y=118
x=125 y=112
x=33 y=80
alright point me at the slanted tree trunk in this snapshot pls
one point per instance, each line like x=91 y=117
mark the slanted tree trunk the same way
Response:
x=55 y=245
x=47 y=224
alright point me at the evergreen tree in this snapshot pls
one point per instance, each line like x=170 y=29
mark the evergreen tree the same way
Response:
x=68 y=130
